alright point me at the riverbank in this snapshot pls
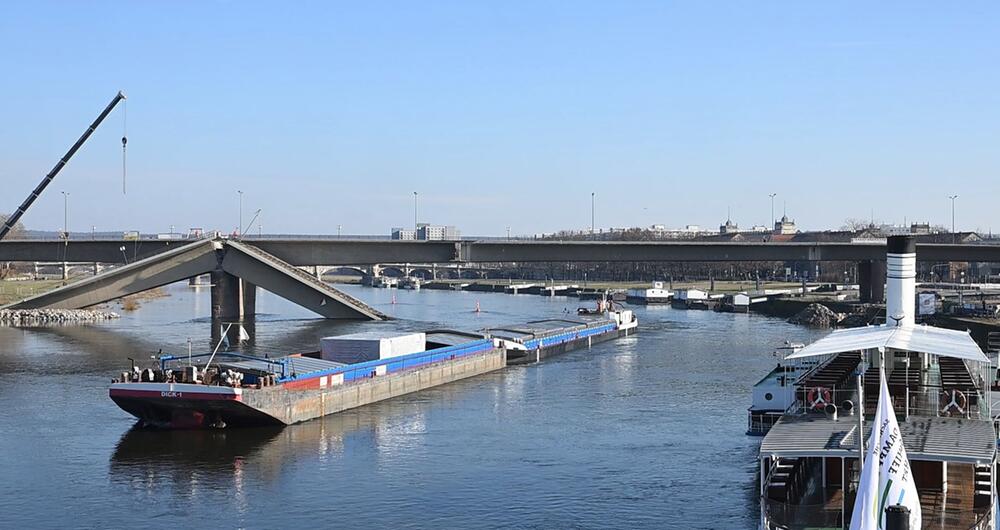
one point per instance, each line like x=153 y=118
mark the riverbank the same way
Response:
x=12 y=291
x=498 y=285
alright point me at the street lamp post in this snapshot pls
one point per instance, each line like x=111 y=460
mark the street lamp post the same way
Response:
x=508 y=233
x=240 y=229
x=339 y=227
x=65 y=272
x=772 y=196
x=414 y=211
x=593 y=213
x=65 y=214
x=953 y=197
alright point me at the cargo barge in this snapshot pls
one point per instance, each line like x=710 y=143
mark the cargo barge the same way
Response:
x=536 y=340
x=235 y=390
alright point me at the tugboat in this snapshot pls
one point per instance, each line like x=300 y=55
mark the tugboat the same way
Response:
x=938 y=383
x=602 y=307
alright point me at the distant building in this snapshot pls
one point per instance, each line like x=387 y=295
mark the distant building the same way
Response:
x=729 y=227
x=404 y=234
x=426 y=232
x=893 y=230
x=785 y=226
x=429 y=232
x=920 y=228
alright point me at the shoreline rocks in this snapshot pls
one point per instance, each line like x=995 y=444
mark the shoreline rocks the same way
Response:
x=33 y=317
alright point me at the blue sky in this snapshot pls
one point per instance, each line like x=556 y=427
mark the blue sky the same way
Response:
x=503 y=114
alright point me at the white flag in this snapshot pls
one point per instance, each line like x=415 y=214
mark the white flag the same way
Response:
x=244 y=336
x=866 y=502
x=885 y=459
x=895 y=483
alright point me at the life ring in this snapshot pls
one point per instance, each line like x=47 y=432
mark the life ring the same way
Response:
x=954 y=399
x=819 y=397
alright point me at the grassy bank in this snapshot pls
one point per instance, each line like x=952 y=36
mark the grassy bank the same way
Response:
x=15 y=291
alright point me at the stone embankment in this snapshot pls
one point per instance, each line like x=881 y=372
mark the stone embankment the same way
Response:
x=817 y=316
x=820 y=316
x=34 y=317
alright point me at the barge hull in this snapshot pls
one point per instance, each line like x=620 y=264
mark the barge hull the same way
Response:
x=302 y=405
x=285 y=404
x=535 y=355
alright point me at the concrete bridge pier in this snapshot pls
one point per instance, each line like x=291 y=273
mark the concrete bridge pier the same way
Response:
x=871 y=284
x=233 y=298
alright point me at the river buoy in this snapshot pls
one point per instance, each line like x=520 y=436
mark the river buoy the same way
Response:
x=477 y=307
x=393 y=299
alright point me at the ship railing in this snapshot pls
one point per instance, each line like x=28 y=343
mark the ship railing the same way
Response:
x=166 y=360
x=916 y=400
x=939 y=401
x=779 y=515
x=818 y=399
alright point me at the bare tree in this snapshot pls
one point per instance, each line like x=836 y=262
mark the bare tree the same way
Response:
x=854 y=224
x=15 y=232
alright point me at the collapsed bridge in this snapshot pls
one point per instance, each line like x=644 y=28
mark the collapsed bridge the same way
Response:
x=237 y=269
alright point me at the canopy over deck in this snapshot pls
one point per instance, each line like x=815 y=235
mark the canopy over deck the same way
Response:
x=926 y=339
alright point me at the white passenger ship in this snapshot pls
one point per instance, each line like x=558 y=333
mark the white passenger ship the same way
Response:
x=939 y=381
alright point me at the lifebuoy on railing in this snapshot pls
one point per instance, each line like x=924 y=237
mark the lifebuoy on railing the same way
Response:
x=818 y=398
x=954 y=400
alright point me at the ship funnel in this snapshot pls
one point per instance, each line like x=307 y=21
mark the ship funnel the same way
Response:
x=900 y=281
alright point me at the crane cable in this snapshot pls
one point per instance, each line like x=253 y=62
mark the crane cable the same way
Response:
x=124 y=139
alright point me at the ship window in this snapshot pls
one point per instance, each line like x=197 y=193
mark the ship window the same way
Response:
x=768 y=396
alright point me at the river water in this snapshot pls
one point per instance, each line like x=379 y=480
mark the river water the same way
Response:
x=642 y=432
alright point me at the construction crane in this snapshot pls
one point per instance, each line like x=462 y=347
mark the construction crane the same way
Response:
x=12 y=220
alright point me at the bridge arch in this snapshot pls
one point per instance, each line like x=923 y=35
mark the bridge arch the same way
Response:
x=422 y=272
x=345 y=271
x=392 y=272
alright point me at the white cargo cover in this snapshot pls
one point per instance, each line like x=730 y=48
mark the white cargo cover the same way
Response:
x=362 y=347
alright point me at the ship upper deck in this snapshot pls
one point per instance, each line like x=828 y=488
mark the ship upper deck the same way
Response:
x=925 y=438
x=938 y=388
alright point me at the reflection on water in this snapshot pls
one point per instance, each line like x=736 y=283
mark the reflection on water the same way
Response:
x=645 y=431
